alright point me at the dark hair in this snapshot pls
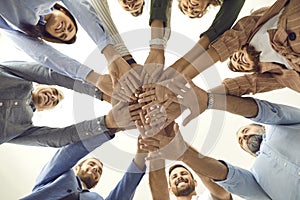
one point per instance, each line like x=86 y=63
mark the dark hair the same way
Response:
x=214 y=3
x=253 y=54
x=39 y=30
x=177 y=166
x=81 y=163
x=139 y=12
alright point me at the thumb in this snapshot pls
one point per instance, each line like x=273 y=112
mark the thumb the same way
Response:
x=188 y=119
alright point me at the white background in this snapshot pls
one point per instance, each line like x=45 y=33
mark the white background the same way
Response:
x=20 y=165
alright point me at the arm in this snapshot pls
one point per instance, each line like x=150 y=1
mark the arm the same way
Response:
x=159 y=22
x=235 y=180
x=88 y=19
x=125 y=189
x=66 y=157
x=48 y=56
x=158 y=181
x=58 y=137
x=102 y=10
x=215 y=190
x=248 y=84
x=224 y=19
x=36 y=72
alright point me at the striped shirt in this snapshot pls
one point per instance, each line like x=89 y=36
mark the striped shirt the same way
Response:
x=271 y=76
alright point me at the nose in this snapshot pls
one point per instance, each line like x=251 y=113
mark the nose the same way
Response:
x=53 y=97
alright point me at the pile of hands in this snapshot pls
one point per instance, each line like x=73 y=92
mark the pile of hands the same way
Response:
x=150 y=98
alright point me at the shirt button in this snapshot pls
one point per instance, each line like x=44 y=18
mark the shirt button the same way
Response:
x=98 y=122
x=96 y=89
x=298 y=173
x=285 y=164
x=16 y=103
x=99 y=129
x=86 y=133
x=1 y=104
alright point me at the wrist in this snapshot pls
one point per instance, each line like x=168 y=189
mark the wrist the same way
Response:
x=157 y=43
x=210 y=100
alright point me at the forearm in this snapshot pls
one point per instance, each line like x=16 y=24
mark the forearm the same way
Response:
x=102 y=10
x=139 y=159
x=199 y=63
x=158 y=181
x=215 y=190
x=110 y=53
x=206 y=166
x=243 y=106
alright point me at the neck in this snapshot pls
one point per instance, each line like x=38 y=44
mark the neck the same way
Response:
x=189 y=197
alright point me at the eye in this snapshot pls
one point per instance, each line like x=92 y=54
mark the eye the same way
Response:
x=63 y=36
x=70 y=28
x=292 y=36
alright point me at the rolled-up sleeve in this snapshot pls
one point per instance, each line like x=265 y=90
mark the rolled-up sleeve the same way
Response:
x=242 y=183
x=276 y=114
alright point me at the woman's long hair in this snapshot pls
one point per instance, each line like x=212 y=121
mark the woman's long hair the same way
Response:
x=39 y=30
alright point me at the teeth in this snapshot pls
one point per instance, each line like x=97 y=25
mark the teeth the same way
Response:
x=181 y=184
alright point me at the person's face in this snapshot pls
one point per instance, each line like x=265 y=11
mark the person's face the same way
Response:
x=194 y=8
x=242 y=62
x=90 y=172
x=181 y=182
x=293 y=31
x=250 y=137
x=131 y=6
x=46 y=97
x=60 y=26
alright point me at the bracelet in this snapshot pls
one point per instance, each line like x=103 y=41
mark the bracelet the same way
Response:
x=158 y=41
x=130 y=61
x=211 y=100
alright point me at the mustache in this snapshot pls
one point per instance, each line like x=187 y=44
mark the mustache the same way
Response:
x=254 y=142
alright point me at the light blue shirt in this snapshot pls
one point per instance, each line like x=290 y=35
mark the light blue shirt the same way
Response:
x=27 y=11
x=275 y=173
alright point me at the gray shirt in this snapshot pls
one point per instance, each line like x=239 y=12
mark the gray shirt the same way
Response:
x=16 y=113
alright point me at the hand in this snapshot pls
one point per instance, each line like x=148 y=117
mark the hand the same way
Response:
x=160 y=116
x=165 y=147
x=155 y=92
x=117 y=68
x=193 y=98
x=128 y=86
x=122 y=116
x=104 y=83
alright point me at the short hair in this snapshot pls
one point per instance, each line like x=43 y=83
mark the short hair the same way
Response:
x=254 y=55
x=177 y=166
x=39 y=30
x=139 y=12
x=81 y=162
x=252 y=124
x=214 y=3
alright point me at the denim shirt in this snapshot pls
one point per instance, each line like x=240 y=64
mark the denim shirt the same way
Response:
x=275 y=173
x=57 y=179
x=16 y=112
x=26 y=11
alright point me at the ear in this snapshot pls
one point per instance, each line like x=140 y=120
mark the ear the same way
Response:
x=77 y=168
x=170 y=191
x=195 y=182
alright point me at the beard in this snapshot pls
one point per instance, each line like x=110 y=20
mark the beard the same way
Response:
x=86 y=179
x=184 y=191
x=254 y=142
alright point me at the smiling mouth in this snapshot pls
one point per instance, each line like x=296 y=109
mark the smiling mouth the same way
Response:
x=193 y=4
x=59 y=26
